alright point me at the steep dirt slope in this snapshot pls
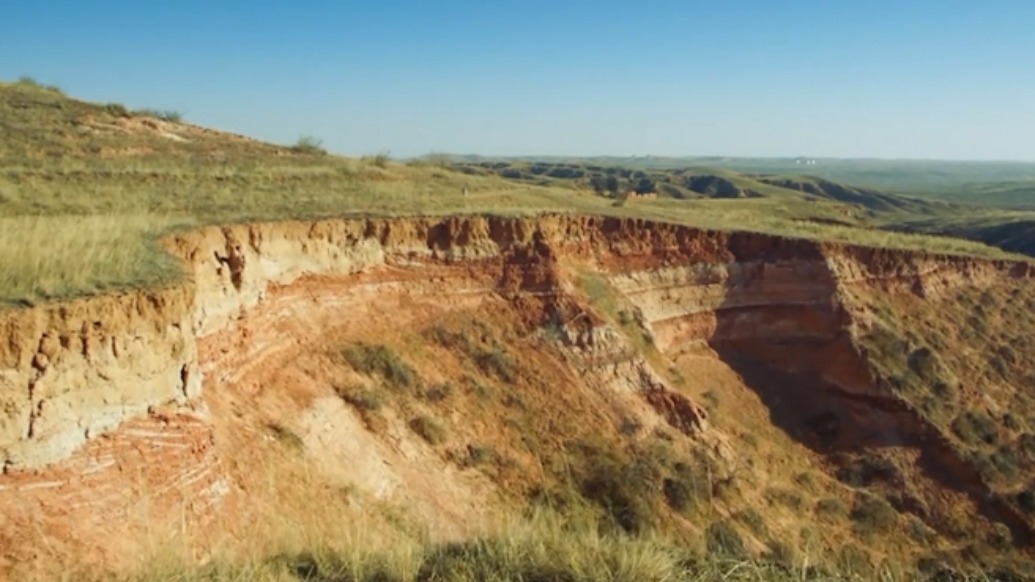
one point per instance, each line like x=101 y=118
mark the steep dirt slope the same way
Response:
x=651 y=375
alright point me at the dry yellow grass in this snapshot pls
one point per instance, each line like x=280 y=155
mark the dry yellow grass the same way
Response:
x=47 y=256
x=85 y=189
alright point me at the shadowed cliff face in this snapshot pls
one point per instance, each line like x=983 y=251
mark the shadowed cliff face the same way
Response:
x=94 y=386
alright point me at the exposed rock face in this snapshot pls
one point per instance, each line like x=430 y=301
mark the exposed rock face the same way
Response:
x=70 y=373
x=73 y=371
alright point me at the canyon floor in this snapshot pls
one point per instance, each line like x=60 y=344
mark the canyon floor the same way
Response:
x=282 y=365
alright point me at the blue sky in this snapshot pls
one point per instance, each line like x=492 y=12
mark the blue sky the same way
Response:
x=877 y=78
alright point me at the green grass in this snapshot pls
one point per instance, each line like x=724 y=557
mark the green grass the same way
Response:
x=70 y=168
x=382 y=361
x=545 y=547
x=308 y=144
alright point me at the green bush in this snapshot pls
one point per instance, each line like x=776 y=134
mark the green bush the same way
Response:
x=1003 y=462
x=365 y=399
x=30 y=82
x=496 y=363
x=723 y=540
x=831 y=507
x=117 y=109
x=488 y=353
x=753 y=520
x=873 y=514
x=380 y=160
x=163 y=114
x=856 y=561
x=308 y=144
x=622 y=496
x=781 y=553
x=1001 y=537
x=975 y=427
x=866 y=470
x=679 y=494
x=380 y=360
x=786 y=497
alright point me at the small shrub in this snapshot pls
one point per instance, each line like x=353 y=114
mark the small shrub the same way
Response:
x=497 y=363
x=379 y=160
x=365 y=399
x=310 y=145
x=920 y=531
x=286 y=436
x=924 y=364
x=1001 y=463
x=117 y=109
x=805 y=480
x=621 y=497
x=162 y=114
x=864 y=471
x=831 y=507
x=27 y=81
x=787 y=498
x=781 y=553
x=488 y=354
x=630 y=426
x=855 y=560
x=1013 y=423
x=430 y=429
x=723 y=540
x=873 y=514
x=439 y=392
x=1026 y=501
x=753 y=520
x=1001 y=537
x=682 y=494
x=380 y=360
x=975 y=427
x=481 y=455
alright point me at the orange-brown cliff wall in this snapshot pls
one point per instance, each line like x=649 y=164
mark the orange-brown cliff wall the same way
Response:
x=71 y=371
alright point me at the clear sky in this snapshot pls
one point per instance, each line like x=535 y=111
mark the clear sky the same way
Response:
x=868 y=78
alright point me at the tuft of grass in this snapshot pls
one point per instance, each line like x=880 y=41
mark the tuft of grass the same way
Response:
x=429 y=429
x=831 y=508
x=379 y=160
x=974 y=427
x=873 y=514
x=723 y=540
x=29 y=82
x=286 y=436
x=380 y=360
x=310 y=145
x=478 y=342
x=365 y=399
x=163 y=114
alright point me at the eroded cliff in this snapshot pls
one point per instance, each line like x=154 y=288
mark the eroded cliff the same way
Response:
x=135 y=391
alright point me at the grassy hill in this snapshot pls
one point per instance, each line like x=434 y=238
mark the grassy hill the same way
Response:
x=969 y=181
x=86 y=188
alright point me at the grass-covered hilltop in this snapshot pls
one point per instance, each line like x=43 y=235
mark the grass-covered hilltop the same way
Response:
x=86 y=188
x=224 y=359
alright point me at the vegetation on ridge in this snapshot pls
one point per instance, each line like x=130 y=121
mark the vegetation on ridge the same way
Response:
x=108 y=181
